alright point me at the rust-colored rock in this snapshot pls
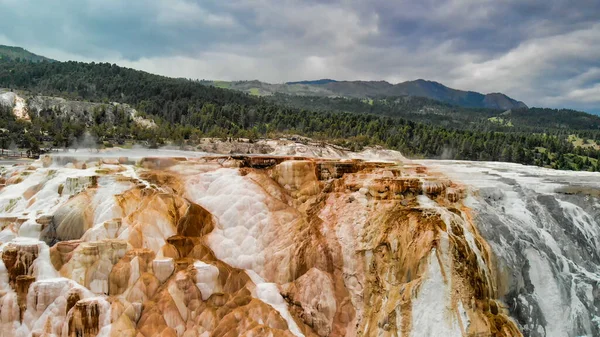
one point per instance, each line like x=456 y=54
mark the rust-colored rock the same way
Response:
x=84 y=319
x=249 y=246
x=61 y=253
x=22 y=287
x=18 y=260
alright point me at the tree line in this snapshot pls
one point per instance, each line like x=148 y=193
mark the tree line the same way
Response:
x=185 y=110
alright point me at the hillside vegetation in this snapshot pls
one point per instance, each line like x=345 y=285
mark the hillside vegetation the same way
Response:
x=185 y=111
x=18 y=53
x=537 y=120
x=372 y=89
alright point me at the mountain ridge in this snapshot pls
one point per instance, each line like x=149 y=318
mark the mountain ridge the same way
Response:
x=331 y=87
x=14 y=52
x=321 y=81
x=375 y=89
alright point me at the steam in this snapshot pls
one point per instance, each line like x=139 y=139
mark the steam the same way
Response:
x=13 y=147
x=447 y=153
x=88 y=142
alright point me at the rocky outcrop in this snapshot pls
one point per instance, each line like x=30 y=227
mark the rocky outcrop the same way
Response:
x=82 y=110
x=17 y=103
x=18 y=258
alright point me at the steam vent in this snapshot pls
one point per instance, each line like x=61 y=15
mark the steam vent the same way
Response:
x=288 y=246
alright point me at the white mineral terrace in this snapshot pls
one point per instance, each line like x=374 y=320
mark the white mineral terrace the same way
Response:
x=178 y=243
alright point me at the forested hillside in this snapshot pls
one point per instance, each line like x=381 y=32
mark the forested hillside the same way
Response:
x=372 y=89
x=186 y=110
x=18 y=53
x=430 y=111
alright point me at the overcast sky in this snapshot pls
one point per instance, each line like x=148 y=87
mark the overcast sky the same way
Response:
x=543 y=52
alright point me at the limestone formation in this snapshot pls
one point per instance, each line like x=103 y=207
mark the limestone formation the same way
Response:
x=276 y=246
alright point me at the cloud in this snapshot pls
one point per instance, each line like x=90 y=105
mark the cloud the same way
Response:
x=544 y=53
x=587 y=95
x=174 y=13
x=557 y=70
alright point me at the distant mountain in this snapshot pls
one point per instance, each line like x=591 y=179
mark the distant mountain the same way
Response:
x=332 y=88
x=378 y=89
x=423 y=88
x=14 y=53
x=321 y=81
x=469 y=99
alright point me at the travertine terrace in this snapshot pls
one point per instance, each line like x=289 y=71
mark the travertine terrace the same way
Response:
x=245 y=246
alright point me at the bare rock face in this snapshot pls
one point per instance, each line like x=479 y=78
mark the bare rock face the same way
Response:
x=264 y=246
x=298 y=177
x=163 y=268
x=74 y=185
x=312 y=298
x=71 y=220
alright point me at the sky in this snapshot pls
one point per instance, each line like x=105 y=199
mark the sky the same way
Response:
x=543 y=52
